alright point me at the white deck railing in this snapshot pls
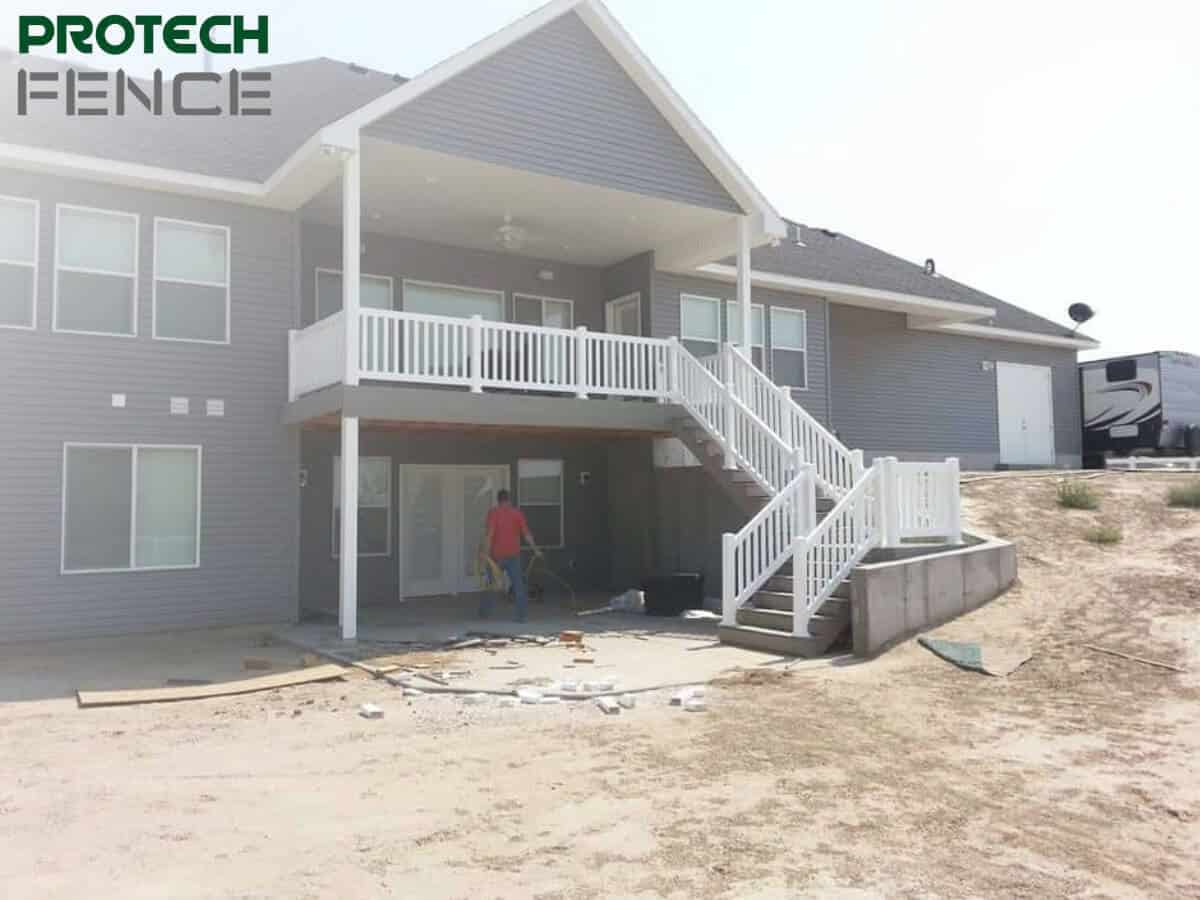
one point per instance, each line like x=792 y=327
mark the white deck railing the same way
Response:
x=838 y=467
x=926 y=500
x=476 y=353
x=758 y=550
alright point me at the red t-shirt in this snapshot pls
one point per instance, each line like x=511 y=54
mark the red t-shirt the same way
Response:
x=506 y=524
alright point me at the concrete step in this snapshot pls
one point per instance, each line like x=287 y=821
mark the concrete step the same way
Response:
x=783 y=584
x=769 y=641
x=782 y=601
x=781 y=620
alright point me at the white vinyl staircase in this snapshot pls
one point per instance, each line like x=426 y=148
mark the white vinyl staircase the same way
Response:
x=817 y=510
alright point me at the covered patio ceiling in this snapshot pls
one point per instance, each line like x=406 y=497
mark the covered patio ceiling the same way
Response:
x=424 y=195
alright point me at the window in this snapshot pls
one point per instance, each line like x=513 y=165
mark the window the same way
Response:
x=544 y=311
x=540 y=496
x=130 y=507
x=374 y=505
x=733 y=328
x=18 y=262
x=789 y=347
x=95 y=271
x=700 y=324
x=1121 y=370
x=624 y=315
x=448 y=300
x=191 y=281
x=374 y=292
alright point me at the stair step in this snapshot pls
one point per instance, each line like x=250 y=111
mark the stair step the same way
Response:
x=777 y=642
x=782 y=601
x=783 y=584
x=781 y=620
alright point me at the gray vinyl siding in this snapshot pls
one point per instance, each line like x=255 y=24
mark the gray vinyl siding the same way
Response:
x=401 y=258
x=664 y=322
x=56 y=388
x=915 y=394
x=557 y=103
x=634 y=275
x=586 y=560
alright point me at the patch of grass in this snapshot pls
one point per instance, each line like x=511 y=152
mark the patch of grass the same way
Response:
x=1077 y=495
x=1104 y=534
x=1185 y=495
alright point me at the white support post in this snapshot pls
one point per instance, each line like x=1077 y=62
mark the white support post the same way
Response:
x=673 y=388
x=291 y=364
x=859 y=467
x=351 y=250
x=799 y=587
x=581 y=362
x=953 y=501
x=348 y=546
x=728 y=601
x=743 y=284
x=808 y=499
x=890 y=490
x=476 y=354
x=727 y=378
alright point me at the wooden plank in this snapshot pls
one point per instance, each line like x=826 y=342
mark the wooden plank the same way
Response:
x=1137 y=659
x=201 y=691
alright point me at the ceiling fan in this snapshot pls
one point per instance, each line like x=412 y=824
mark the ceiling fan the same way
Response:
x=510 y=236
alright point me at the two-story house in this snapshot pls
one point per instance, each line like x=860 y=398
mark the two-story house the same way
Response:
x=232 y=348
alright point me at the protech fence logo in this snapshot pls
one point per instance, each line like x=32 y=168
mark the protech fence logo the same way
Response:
x=90 y=92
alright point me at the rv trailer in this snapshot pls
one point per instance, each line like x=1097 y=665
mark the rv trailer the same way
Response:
x=1140 y=404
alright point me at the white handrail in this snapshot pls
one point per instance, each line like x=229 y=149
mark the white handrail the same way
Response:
x=838 y=467
x=745 y=438
x=757 y=551
x=825 y=557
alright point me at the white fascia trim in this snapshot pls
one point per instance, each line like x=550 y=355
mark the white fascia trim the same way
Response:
x=1006 y=334
x=849 y=293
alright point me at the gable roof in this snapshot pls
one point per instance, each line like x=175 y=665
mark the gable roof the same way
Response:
x=306 y=96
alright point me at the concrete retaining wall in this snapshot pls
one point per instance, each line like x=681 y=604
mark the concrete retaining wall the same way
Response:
x=896 y=599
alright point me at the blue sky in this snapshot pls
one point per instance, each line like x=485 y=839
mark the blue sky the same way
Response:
x=1042 y=152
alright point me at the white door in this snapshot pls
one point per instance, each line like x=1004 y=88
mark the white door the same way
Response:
x=1025 y=405
x=624 y=315
x=443 y=514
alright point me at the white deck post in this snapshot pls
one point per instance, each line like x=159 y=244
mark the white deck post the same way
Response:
x=743 y=284
x=581 y=362
x=351 y=250
x=348 y=560
x=476 y=354
x=728 y=606
x=727 y=378
x=953 y=504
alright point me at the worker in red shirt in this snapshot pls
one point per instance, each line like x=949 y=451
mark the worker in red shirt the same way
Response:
x=505 y=526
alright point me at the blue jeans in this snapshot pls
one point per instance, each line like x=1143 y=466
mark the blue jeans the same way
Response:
x=516 y=577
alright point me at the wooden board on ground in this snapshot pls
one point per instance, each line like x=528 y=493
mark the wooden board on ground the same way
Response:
x=201 y=691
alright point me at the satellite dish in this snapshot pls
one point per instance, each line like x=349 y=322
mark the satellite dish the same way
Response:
x=1080 y=312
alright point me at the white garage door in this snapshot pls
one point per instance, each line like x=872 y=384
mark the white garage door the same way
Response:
x=1025 y=401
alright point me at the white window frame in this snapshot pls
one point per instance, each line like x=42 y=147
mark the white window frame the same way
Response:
x=37 y=228
x=333 y=507
x=775 y=345
x=518 y=295
x=154 y=284
x=391 y=283
x=59 y=267
x=562 y=498
x=733 y=309
x=133 y=485
x=716 y=301
x=610 y=310
x=466 y=288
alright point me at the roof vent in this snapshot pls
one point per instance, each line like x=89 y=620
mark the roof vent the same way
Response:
x=357 y=69
x=930 y=268
x=398 y=78
x=829 y=233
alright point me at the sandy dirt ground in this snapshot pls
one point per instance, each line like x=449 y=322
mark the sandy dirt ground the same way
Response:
x=1079 y=775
